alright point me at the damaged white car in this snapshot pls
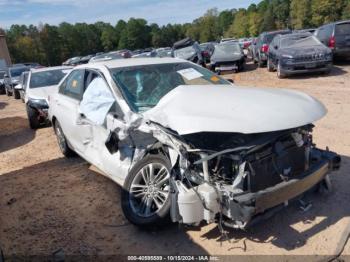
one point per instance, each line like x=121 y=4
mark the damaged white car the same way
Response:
x=182 y=141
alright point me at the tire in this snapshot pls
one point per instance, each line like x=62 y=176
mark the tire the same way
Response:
x=280 y=74
x=32 y=118
x=136 y=209
x=269 y=65
x=7 y=92
x=62 y=141
x=16 y=94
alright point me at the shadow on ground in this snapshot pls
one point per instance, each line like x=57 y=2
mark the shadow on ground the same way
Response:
x=63 y=205
x=14 y=132
x=3 y=105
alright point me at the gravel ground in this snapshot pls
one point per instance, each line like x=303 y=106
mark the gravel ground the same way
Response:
x=51 y=204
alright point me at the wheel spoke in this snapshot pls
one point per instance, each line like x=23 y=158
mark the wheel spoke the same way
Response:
x=163 y=180
x=151 y=172
x=163 y=171
x=148 y=206
x=158 y=204
x=138 y=190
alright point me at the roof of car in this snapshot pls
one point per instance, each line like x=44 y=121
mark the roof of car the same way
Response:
x=134 y=62
x=276 y=32
x=295 y=34
x=33 y=70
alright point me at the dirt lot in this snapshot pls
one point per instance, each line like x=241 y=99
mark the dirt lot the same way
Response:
x=49 y=203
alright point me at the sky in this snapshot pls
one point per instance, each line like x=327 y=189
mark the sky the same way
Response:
x=154 y=11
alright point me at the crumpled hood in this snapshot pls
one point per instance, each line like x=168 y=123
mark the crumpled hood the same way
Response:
x=41 y=92
x=226 y=108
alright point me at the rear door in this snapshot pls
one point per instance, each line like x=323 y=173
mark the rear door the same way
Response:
x=342 y=35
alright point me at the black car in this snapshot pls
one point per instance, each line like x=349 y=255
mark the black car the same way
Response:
x=337 y=37
x=227 y=56
x=262 y=45
x=298 y=53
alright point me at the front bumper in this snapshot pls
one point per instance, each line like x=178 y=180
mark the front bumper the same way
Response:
x=246 y=207
x=306 y=67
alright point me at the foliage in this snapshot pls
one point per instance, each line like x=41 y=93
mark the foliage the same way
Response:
x=50 y=45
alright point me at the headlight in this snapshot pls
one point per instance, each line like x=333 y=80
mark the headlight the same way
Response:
x=287 y=56
x=38 y=103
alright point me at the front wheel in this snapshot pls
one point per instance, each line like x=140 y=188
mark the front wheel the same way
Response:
x=33 y=118
x=16 y=94
x=280 y=73
x=8 y=93
x=146 y=193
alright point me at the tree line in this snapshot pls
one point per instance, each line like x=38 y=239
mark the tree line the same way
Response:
x=51 y=44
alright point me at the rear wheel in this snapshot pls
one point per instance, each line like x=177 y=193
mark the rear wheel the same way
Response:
x=62 y=141
x=269 y=65
x=8 y=93
x=146 y=195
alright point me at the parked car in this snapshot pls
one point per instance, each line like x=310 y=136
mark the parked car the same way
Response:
x=227 y=56
x=181 y=140
x=207 y=51
x=228 y=39
x=164 y=52
x=188 y=49
x=40 y=84
x=33 y=65
x=125 y=53
x=106 y=56
x=86 y=59
x=298 y=53
x=337 y=37
x=2 y=82
x=12 y=79
x=310 y=30
x=20 y=88
x=251 y=49
x=262 y=45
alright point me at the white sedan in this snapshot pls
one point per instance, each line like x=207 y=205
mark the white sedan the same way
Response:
x=182 y=141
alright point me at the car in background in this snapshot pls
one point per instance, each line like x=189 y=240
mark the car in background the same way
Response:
x=164 y=52
x=106 y=56
x=207 y=50
x=125 y=53
x=40 y=84
x=74 y=61
x=251 y=48
x=12 y=79
x=227 y=56
x=298 y=53
x=188 y=49
x=337 y=37
x=2 y=81
x=228 y=39
x=144 y=54
x=184 y=142
x=310 y=30
x=33 y=65
x=19 y=90
x=86 y=59
x=262 y=45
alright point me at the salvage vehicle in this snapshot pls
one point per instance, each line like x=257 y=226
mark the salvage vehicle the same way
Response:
x=298 y=53
x=40 y=84
x=22 y=85
x=181 y=140
x=207 y=50
x=227 y=56
x=12 y=79
x=2 y=82
x=337 y=37
x=262 y=45
x=188 y=49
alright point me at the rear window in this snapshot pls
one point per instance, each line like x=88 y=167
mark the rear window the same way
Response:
x=342 y=29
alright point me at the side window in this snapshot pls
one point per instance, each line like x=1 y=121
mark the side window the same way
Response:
x=73 y=86
x=329 y=31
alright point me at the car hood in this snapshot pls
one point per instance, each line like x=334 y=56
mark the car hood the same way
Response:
x=226 y=108
x=41 y=92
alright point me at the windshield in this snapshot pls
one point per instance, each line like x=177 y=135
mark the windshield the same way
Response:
x=228 y=48
x=305 y=40
x=47 y=78
x=143 y=86
x=16 y=72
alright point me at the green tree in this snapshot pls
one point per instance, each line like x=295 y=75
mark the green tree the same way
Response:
x=326 y=11
x=239 y=27
x=300 y=14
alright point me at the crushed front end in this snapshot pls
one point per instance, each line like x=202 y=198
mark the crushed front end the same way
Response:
x=236 y=178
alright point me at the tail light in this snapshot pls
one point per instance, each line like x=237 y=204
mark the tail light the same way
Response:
x=264 y=48
x=331 y=43
x=246 y=45
x=205 y=53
